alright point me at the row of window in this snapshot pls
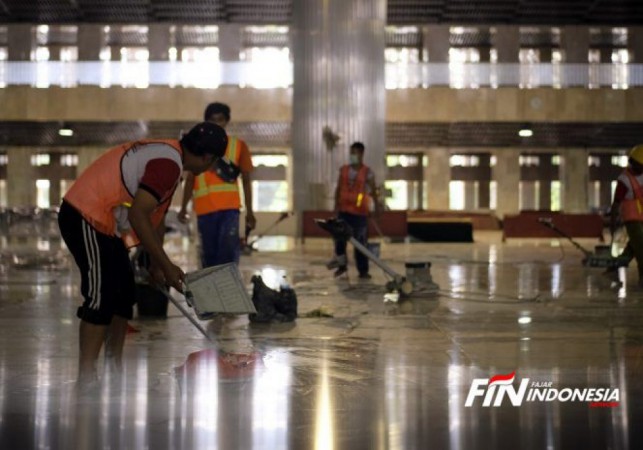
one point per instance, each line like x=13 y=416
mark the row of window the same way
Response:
x=272 y=196
x=271 y=193
x=393 y=160
x=281 y=55
x=271 y=68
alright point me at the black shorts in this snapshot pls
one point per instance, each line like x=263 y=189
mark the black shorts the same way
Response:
x=107 y=279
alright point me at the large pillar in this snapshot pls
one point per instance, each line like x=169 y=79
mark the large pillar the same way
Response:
x=575 y=44
x=575 y=180
x=438 y=176
x=506 y=173
x=21 y=41
x=229 y=42
x=338 y=48
x=91 y=39
x=20 y=177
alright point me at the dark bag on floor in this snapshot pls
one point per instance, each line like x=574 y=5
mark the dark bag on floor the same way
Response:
x=272 y=306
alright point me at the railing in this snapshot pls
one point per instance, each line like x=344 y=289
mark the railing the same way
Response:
x=261 y=75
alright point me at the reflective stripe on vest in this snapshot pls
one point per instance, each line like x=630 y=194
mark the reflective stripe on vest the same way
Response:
x=352 y=197
x=632 y=209
x=211 y=193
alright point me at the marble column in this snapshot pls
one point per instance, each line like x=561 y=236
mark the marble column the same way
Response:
x=338 y=49
x=21 y=183
x=574 y=175
x=438 y=177
x=506 y=173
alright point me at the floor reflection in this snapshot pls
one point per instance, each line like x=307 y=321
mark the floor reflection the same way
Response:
x=369 y=375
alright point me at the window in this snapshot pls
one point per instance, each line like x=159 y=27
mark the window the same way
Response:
x=40 y=159
x=269 y=185
x=270 y=160
x=271 y=67
x=41 y=54
x=528 y=160
x=493 y=195
x=3 y=194
x=556 y=202
x=456 y=195
x=69 y=160
x=398 y=74
x=464 y=161
x=270 y=196
x=529 y=78
x=402 y=160
x=461 y=76
x=619 y=160
x=202 y=68
x=620 y=71
x=42 y=193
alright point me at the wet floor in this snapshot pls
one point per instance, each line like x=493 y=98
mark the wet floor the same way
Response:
x=354 y=371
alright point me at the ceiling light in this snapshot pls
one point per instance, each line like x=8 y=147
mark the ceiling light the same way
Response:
x=525 y=132
x=65 y=131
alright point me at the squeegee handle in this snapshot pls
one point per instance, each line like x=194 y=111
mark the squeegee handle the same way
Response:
x=378 y=262
x=186 y=313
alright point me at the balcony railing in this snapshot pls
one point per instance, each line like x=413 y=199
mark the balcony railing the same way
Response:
x=261 y=75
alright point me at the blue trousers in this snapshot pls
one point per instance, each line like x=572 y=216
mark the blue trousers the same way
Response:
x=359 y=224
x=219 y=233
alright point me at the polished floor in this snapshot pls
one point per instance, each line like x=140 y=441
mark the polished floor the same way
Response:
x=353 y=372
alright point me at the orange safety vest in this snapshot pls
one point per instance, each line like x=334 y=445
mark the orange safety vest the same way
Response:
x=632 y=209
x=353 y=198
x=210 y=193
x=100 y=191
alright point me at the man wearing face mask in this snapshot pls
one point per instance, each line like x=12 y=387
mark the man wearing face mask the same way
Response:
x=355 y=188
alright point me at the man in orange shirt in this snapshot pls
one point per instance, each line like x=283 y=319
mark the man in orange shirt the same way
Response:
x=119 y=200
x=216 y=199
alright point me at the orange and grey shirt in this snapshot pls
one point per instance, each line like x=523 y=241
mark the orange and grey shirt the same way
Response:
x=105 y=190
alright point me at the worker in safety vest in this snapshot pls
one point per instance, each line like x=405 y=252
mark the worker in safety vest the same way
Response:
x=120 y=201
x=355 y=190
x=215 y=196
x=628 y=203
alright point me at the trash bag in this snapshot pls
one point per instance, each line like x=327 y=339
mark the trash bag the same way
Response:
x=272 y=306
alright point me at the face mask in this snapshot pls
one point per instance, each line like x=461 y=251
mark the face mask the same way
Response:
x=354 y=159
